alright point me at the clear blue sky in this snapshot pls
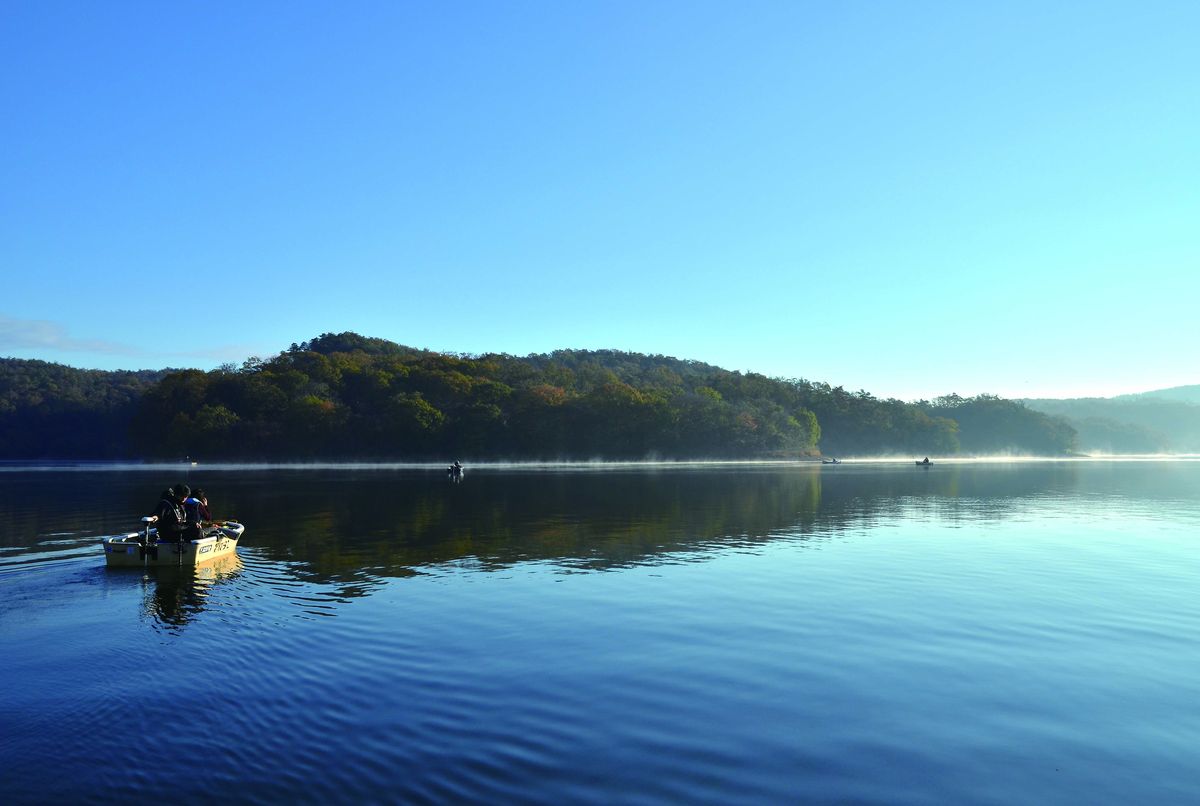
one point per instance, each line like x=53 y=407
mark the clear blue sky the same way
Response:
x=909 y=198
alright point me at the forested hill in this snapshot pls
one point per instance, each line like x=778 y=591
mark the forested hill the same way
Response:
x=345 y=396
x=54 y=411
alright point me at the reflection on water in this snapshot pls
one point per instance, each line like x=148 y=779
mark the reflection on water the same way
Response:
x=176 y=596
x=348 y=527
x=327 y=536
x=871 y=634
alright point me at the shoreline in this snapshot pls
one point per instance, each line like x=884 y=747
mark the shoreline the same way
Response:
x=596 y=464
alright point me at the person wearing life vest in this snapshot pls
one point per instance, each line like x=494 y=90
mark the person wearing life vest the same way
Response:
x=172 y=519
x=196 y=509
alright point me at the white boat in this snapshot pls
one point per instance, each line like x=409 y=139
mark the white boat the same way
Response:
x=143 y=548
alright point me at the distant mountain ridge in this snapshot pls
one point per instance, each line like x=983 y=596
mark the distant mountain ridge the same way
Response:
x=1158 y=421
x=1182 y=394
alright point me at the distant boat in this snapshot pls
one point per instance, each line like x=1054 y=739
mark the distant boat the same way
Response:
x=825 y=461
x=926 y=463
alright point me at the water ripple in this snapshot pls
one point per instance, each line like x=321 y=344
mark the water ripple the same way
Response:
x=974 y=636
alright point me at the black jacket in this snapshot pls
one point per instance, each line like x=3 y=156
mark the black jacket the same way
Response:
x=171 y=519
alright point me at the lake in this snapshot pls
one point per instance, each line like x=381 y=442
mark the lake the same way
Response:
x=991 y=632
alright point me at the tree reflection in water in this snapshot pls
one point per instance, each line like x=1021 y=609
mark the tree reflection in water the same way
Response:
x=353 y=529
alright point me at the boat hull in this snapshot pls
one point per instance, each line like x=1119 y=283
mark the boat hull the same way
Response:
x=135 y=551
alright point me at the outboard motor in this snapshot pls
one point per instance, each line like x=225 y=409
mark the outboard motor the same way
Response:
x=149 y=547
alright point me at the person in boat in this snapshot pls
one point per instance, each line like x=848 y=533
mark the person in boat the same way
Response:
x=172 y=519
x=926 y=461
x=455 y=469
x=196 y=509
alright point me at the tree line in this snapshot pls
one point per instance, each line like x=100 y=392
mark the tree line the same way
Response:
x=51 y=411
x=346 y=396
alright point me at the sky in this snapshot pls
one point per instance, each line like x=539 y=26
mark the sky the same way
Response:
x=904 y=197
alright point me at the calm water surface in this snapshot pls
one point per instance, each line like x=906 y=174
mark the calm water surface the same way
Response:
x=967 y=633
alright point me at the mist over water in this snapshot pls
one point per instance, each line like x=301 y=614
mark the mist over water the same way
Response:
x=975 y=632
